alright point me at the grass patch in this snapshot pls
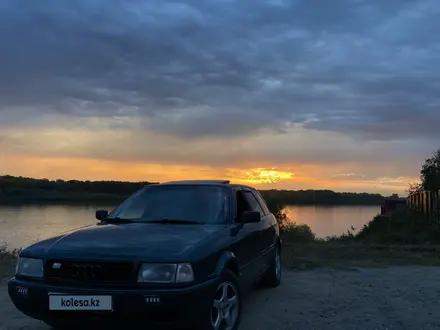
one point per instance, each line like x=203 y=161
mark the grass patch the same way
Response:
x=334 y=254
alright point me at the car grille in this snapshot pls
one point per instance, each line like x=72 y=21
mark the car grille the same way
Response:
x=81 y=271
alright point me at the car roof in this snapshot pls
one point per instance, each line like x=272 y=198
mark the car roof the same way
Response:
x=197 y=182
x=206 y=182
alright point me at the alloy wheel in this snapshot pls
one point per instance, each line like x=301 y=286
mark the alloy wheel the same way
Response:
x=224 y=312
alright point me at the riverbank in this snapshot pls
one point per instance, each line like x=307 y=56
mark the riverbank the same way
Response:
x=400 y=238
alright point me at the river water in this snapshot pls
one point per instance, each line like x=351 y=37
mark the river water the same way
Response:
x=23 y=225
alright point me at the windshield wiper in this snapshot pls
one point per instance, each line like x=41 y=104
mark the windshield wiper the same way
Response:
x=173 y=221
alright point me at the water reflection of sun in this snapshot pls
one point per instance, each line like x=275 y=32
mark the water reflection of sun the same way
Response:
x=265 y=176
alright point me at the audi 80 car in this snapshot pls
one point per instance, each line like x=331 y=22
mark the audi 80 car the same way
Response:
x=177 y=253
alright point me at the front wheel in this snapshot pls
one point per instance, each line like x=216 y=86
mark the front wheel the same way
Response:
x=225 y=313
x=272 y=278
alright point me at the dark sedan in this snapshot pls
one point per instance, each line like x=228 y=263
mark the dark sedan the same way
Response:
x=177 y=253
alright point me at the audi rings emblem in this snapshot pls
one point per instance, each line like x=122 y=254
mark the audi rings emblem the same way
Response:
x=21 y=290
x=88 y=271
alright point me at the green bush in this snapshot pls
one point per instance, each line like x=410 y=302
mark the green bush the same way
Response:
x=348 y=236
x=7 y=254
x=400 y=228
x=296 y=233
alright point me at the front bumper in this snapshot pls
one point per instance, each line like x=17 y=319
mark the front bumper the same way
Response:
x=182 y=306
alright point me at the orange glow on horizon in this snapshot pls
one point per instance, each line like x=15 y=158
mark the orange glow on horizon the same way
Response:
x=295 y=178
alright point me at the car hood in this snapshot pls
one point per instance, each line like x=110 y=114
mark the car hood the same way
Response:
x=134 y=241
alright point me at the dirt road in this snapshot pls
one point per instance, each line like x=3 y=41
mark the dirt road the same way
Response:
x=387 y=298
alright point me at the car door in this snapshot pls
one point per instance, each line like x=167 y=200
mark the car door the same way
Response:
x=260 y=239
x=269 y=229
x=246 y=246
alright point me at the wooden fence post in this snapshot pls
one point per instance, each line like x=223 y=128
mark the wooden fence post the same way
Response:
x=419 y=202
x=436 y=205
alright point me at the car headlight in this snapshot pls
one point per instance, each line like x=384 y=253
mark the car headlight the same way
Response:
x=166 y=273
x=31 y=267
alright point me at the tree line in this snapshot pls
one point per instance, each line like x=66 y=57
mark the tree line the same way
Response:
x=429 y=175
x=22 y=189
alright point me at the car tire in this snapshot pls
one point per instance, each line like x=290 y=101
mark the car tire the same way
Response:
x=225 y=307
x=272 y=278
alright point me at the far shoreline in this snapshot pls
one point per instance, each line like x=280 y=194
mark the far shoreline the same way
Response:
x=116 y=200
x=22 y=191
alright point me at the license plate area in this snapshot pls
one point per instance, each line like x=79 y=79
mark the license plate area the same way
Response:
x=66 y=302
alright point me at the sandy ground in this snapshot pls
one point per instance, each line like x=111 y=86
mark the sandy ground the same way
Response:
x=386 y=298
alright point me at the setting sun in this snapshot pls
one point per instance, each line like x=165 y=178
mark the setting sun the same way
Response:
x=260 y=175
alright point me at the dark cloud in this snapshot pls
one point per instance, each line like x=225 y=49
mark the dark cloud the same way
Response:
x=222 y=67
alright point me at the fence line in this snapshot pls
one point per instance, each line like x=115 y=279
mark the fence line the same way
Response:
x=425 y=202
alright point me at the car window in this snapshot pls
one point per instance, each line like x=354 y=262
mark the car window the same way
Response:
x=261 y=201
x=242 y=205
x=253 y=203
x=202 y=204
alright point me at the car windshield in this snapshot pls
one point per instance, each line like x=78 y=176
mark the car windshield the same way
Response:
x=174 y=204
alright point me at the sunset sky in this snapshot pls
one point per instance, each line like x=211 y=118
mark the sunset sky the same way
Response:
x=339 y=94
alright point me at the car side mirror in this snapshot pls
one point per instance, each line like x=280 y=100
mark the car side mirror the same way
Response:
x=101 y=214
x=250 y=217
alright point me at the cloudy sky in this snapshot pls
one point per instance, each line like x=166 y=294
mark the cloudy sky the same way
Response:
x=340 y=94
